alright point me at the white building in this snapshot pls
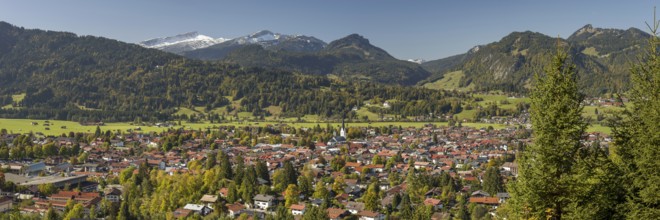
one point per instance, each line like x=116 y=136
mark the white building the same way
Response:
x=199 y=209
x=263 y=201
x=297 y=209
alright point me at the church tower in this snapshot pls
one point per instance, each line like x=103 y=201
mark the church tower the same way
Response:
x=343 y=129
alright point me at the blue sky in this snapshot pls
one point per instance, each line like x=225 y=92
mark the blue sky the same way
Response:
x=406 y=29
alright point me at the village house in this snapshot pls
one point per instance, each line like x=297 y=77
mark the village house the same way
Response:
x=369 y=215
x=112 y=194
x=354 y=207
x=263 y=202
x=435 y=203
x=209 y=200
x=297 y=209
x=202 y=210
x=337 y=214
x=235 y=210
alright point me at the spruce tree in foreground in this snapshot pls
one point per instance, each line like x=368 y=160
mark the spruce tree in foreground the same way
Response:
x=559 y=176
x=547 y=182
x=637 y=137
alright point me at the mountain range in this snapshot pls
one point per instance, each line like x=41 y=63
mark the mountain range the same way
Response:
x=351 y=57
x=63 y=75
x=601 y=56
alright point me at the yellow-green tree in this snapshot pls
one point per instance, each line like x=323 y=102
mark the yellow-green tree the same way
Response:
x=371 y=199
x=320 y=192
x=75 y=213
x=291 y=195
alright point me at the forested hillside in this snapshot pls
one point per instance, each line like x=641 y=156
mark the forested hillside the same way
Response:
x=85 y=78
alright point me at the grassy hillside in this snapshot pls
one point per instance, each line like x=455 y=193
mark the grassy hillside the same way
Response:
x=449 y=81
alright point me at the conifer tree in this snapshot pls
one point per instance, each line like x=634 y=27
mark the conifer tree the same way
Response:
x=225 y=166
x=492 y=181
x=282 y=213
x=637 y=136
x=547 y=183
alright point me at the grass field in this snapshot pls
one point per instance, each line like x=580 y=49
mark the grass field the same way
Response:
x=466 y=114
x=497 y=98
x=590 y=111
x=185 y=111
x=599 y=128
x=590 y=51
x=449 y=81
x=14 y=98
x=365 y=112
x=57 y=127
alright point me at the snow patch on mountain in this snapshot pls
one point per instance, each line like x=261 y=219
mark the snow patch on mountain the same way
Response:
x=417 y=61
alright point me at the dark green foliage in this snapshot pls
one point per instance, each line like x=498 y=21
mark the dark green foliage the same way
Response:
x=314 y=213
x=282 y=213
x=559 y=176
x=547 y=184
x=225 y=166
x=262 y=170
x=492 y=181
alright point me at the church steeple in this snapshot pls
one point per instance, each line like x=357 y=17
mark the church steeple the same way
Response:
x=343 y=129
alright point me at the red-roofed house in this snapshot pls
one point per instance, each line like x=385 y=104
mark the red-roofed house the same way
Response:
x=297 y=209
x=436 y=203
x=493 y=201
x=369 y=215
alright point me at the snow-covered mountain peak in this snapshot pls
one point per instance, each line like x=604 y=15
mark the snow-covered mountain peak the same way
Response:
x=182 y=42
x=258 y=37
x=187 y=43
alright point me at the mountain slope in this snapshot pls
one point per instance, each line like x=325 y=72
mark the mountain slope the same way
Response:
x=441 y=66
x=600 y=55
x=351 y=57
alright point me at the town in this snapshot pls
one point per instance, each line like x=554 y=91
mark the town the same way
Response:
x=365 y=173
